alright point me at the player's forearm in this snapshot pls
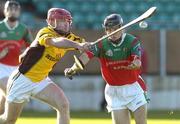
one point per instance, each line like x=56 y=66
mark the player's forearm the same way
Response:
x=133 y=66
x=22 y=55
x=84 y=58
x=63 y=43
x=136 y=63
x=78 y=65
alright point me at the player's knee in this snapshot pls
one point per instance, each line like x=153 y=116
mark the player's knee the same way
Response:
x=141 y=120
x=63 y=105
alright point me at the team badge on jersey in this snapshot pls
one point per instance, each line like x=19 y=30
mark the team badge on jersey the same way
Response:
x=3 y=35
x=109 y=53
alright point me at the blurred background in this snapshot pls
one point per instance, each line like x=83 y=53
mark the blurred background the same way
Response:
x=160 y=40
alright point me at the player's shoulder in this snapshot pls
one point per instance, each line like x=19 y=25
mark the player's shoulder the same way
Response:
x=103 y=43
x=75 y=37
x=46 y=30
x=22 y=25
x=130 y=38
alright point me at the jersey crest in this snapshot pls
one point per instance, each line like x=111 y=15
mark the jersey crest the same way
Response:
x=3 y=35
x=109 y=53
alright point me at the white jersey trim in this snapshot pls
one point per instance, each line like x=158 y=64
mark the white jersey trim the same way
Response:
x=122 y=40
x=7 y=25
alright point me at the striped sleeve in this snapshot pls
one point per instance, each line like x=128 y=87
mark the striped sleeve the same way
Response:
x=42 y=36
x=136 y=48
x=75 y=38
x=95 y=50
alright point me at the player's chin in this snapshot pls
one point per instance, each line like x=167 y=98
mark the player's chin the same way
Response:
x=66 y=30
x=114 y=39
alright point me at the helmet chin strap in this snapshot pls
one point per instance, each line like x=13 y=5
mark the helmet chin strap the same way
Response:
x=55 y=24
x=58 y=31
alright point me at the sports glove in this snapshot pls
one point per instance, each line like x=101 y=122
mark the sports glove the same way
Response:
x=77 y=66
x=68 y=72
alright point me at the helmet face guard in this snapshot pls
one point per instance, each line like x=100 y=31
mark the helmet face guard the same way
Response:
x=55 y=14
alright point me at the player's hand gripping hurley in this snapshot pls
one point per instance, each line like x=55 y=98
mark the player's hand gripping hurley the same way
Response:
x=144 y=16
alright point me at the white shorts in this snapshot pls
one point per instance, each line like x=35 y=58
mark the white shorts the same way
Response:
x=129 y=96
x=6 y=70
x=20 y=88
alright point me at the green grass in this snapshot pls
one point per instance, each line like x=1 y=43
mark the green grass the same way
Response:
x=154 y=117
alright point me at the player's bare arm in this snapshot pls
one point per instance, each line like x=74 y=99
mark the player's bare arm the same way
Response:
x=21 y=57
x=66 y=43
x=135 y=64
x=77 y=66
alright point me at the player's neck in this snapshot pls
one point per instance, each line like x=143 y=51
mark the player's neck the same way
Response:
x=117 y=41
x=12 y=24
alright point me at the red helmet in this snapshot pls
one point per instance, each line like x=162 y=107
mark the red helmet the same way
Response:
x=59 y=13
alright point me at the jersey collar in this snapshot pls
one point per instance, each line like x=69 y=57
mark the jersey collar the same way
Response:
x=7 y=25
x=122 y=40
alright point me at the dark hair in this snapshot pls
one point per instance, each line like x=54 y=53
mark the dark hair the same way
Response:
x=10 y=3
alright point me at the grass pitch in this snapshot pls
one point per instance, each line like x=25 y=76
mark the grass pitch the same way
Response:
x=155 y=117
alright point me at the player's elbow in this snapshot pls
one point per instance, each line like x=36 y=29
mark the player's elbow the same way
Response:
x=59 y=42
x=49 y=42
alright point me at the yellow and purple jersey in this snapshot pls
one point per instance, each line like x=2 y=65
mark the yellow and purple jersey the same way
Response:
x=40 y=58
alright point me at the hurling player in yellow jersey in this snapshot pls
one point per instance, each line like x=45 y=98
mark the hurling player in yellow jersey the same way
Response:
x=31 y=77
